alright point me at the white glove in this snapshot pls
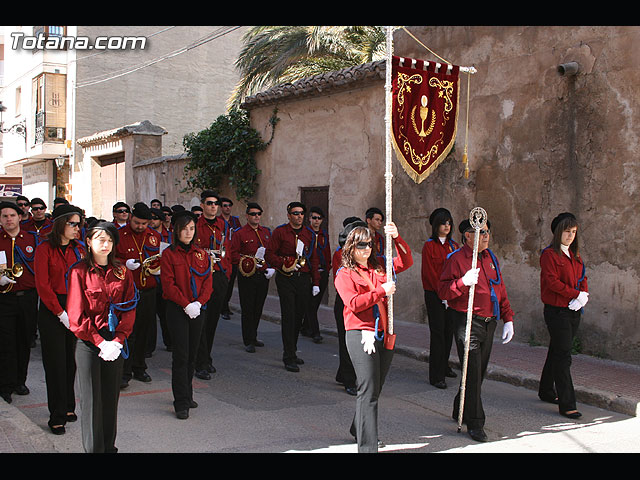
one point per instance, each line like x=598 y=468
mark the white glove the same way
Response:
x=368 y=340
x=471 y=277
x=132 y=264
x=269 y=273
x=389 y=288
x=507 y=332
x=4 y=280
x=296 y=267
x=446 y=305
x=193 y=309
x=109 y=350
x=64 y=319
x=315 y=290
x=575 y=305
x=583 y=298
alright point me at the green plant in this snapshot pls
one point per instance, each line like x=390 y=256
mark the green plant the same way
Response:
x=225 y=150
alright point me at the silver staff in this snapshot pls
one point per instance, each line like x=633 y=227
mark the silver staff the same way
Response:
x=478 y=220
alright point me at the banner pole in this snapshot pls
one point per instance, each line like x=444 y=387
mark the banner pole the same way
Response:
x=478 y=219
x=388 y=174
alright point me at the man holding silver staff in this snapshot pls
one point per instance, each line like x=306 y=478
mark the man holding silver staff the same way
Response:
x=490 y=304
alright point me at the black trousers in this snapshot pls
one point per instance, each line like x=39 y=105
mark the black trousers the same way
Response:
x=138 y=340
x=152 y=336
x=18 y=317
x=294 y=293
x=253 y=293
x=310 y=322
x=562 y=324
x=346 y=374
x=440 y=337
x=232 y=280
x=479 y=353
x=186 y=333
x=371 y=372
x=58 y=345
x=99 y=389
x=214 y=308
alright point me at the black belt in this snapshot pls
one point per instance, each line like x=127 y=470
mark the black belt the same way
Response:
x=484 y=319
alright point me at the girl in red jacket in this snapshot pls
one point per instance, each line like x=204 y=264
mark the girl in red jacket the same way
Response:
x=185 y=274
x=564 y=292
x=101 y=305
x=434 y=254
x=362 y=285
x=53 y=259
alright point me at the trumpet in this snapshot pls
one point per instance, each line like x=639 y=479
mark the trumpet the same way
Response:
x=147 y=269
x=13 y=272
x=217 y=255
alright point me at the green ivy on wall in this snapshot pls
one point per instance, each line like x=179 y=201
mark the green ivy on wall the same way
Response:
x=226 y=150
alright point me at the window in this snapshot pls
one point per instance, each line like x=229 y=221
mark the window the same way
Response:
x=49 y=104
x=51 y=31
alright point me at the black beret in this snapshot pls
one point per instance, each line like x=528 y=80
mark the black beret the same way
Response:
x=37 y=201
x=157 y=212
x=119 y=205
x=65 y=209
x=342 y=238
x=11 y=205
x=253 y=205
x=296 y=204
x=142 y=211
x=466 y=225
x=560 y=216
x=437 y=212
x=110 y=228
x=183 y=213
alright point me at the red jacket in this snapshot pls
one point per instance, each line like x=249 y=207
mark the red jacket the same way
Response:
x=51 y=271
x=559 y=277
x=23 y=252
x=246 y=241
x=451 y=288
x=138 y=246
x=178 y=280
x=336 y=261
x=323 y=247
x=91 y=289
x=281 y=250
x=209 y=237
x=434 y=254
x=40 y=232
x=357 y=295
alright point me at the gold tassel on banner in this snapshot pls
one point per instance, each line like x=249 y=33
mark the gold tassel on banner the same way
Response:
x=465 y=159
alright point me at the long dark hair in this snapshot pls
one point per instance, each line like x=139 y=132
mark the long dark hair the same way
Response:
x=565 y=224
x=359 y=234
x=57 y=229
x=439 y=218
x=179 y=223
x=112 y=231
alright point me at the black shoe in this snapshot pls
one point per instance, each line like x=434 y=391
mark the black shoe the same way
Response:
x=258 y=343
x=124 y=383
x=299 y=361
x=351 y=390
x=71 y=417
x=225 y=316
x=450 y=373
x=250 y=348
x=193 y=404
x=21 y=390
x=57 y=429
x=203 y=375
x=142 y=377
x=553 y=400
x=182 y=414
x=7 y=397
x=291 y=367
x=478 y=435
x=571 y=414
x=317 y=339
x=211 y=369
x=441 y=384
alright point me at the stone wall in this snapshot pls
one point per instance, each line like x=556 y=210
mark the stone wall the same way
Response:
x=539 y=144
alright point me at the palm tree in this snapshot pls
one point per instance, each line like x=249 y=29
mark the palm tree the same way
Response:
x=279 y=54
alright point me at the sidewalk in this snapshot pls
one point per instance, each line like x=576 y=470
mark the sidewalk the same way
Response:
x=601 y=383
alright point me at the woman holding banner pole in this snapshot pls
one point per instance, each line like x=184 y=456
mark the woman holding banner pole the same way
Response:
x=362 y=285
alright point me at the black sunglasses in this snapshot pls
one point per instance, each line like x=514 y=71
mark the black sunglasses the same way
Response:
x=315 y=218
x=363 y=245
x=254 y=214
x=38 y=208
x=211 y=202
x=122 y=210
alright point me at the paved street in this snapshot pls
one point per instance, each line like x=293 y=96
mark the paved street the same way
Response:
x=253 y=405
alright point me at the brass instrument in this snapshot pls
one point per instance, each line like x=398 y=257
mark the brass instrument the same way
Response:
x=147 y=269
x=11 y=273
x=217 y=255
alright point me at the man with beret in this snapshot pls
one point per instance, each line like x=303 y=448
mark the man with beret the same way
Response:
x=121 y=213
x=290 y=251
x=490 y=305
x=24 y=204
x=211 y=236
x=374 y=218
x=18 y=302
x=232 y=223
x=138 y=242
x=247 y=255
x=39 y=225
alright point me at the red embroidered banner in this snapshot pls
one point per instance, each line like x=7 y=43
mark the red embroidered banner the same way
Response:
x=424 y=114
